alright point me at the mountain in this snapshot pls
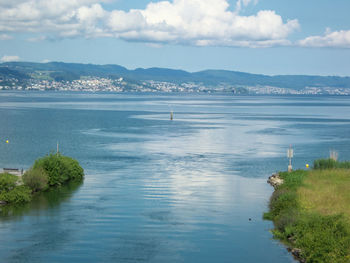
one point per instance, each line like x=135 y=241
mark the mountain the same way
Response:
x=60 y=71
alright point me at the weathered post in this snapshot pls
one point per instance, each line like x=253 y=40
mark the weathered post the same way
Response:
x=290 y=154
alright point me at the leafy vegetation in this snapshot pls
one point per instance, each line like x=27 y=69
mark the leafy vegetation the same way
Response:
x=50 y=198
x=36 y=179
x=59 y=168
x=311 y=212
x=10 y=190
x=7 y=182
x=51 y=170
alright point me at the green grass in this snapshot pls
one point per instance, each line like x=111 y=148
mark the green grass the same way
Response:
x=311 y=211
x=326 y=192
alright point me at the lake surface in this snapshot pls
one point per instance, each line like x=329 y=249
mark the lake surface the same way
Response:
x=158 y=190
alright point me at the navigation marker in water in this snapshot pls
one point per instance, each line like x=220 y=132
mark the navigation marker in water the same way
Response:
x=7 y=141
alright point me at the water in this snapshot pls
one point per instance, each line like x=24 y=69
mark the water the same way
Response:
x=158 y=190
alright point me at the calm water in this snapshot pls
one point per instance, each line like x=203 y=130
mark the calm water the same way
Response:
x=158 y=190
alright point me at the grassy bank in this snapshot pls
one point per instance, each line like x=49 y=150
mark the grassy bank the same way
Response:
x=51 y=170
x=311 y=212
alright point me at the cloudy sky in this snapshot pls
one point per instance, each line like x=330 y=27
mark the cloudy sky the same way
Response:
x=258 y=36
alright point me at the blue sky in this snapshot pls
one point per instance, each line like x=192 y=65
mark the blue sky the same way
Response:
x=258 y=36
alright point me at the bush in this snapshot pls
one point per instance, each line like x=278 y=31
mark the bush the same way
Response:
x=10 y=192
x=19 y=194
x=36 y=179
x=286 y=220
x=281 y=200
x=7 y=182
x=323 y=238
x=59 y=168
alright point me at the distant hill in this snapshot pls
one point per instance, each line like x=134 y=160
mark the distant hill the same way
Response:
x=8 y=72
x=60 y=71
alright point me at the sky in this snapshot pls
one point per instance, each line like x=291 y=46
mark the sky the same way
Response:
x=258 y=36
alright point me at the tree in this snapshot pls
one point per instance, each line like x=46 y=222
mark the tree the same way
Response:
x=7 y=182
x=59 y=168
x=36 y=179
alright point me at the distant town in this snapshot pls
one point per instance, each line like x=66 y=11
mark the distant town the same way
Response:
x=97 y=84
x=59 y=76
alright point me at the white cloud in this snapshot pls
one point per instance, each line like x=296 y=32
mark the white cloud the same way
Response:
x=200 y=22
x=43 y=15
x=7 y=58
x=193 y=22
x=5 y=37
x=338 y=39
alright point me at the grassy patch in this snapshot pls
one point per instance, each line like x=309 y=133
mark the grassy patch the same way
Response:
x=326 y=192
x=311 y=211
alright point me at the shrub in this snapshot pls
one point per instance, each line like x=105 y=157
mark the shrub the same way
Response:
x=19 y=194
x=323 y=238
x=282 y=199
x=10 y=192
x=36 y=179
x=286 y=220
x=7 y=182
x=59 y=168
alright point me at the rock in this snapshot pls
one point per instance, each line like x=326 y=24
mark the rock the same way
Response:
x=275 y=180
x=296 y=252
x=291 y=239
x=3 y=202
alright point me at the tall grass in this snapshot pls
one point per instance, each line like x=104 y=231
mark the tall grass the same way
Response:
x=322 y=164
